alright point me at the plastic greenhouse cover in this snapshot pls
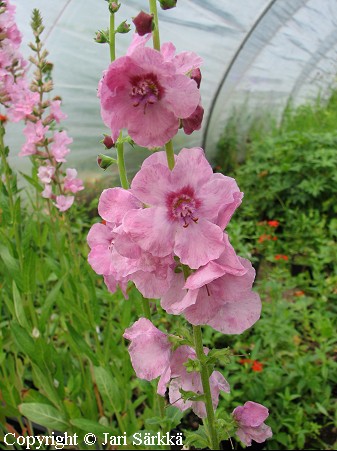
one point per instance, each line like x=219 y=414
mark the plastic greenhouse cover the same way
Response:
x=255 y=52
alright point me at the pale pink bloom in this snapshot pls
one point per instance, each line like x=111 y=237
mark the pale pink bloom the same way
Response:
x=46 y=173
x=47 y=193
x=22 y=100
x=150 y=349
x=250 y=420
x=63 y=203
x=226 y=303
x=59 y=145
x=71 y=183
x=35 y=133
x=147 y=95
x=184 y=206
x=178 y=378
x=113 y=251
x=55 y=111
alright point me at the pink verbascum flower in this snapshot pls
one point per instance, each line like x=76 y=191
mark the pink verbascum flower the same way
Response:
x=114 y=253
x=63 y=203
x=184 y=205
x=147 y=94
x=71 y=182
x=225 y=302
x=35 y=133
x=177 y=378
x=250 y=420
x=150 y=349
x=56 y=112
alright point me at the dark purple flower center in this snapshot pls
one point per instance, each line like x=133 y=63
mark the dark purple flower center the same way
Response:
x=183 y=206
x=145 y=90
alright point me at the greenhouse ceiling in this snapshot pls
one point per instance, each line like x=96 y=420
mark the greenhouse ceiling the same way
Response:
x=257 y=55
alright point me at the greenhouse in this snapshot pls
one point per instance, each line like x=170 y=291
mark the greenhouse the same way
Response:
x=168 y=228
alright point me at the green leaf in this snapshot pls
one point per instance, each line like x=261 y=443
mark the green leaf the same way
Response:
x=18 y=306
x=32 y=182
x=24 y=342
x=108 y=388
x=49 y=301
x=81 y=344
x=45 y=415
x=198 y=439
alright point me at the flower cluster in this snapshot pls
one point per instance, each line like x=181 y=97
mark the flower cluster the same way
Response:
x=50 y=147
x=152 y=356
x=169 y=219
x=15 y=94
x=47 y=144
x=152 y=93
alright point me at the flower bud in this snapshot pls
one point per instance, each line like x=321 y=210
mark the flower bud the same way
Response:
x=196 y=76
x=108 y=142
x=124 y=27
x=114 y=7
x=102 y=36
x=3 y=118
x=104 y=161
x=143 y=23
x=168 y=4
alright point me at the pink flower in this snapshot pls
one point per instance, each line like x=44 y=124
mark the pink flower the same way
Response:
x=63 y=203
x=150 y=349
x=146 y=94
x=113 y=252
x=184 y=205
x=178 y=378
x=47 y=192
x=71 y=183
x=250 y=419
x=46 y=173
x=35 y=133
x=225 y=302
x=55 y=111
x=59 y=147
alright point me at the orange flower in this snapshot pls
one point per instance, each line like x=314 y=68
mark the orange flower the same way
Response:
x=281 y=257
x=243 y=361
x=257 y=366
x=299 y=293
x=263 y=238
x=3 y=118
x=273 y=223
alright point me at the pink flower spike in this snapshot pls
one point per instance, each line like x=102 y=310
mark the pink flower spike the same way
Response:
x=63 y=203
x=46 y=173
x=150 y=349
x=250 y=420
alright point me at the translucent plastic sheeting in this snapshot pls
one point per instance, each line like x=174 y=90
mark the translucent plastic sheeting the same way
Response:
x=290 y=54
x=213 y=29
x=284 y=44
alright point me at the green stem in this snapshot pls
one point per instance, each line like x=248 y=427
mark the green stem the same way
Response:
x=121 y=164
x=206 y=387
x=120 y=146
x=155 y=32
x=146 y=308
x=112 y=38
x=170 y=154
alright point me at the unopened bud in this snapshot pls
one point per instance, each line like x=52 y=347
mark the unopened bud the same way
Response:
x=168 y=4
x=3 y=118
x=102 y=36
x=196 y=76
x=108 y=142
x=124 y=27
x=104 y=161
x=143 y=23
x=114 y=7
